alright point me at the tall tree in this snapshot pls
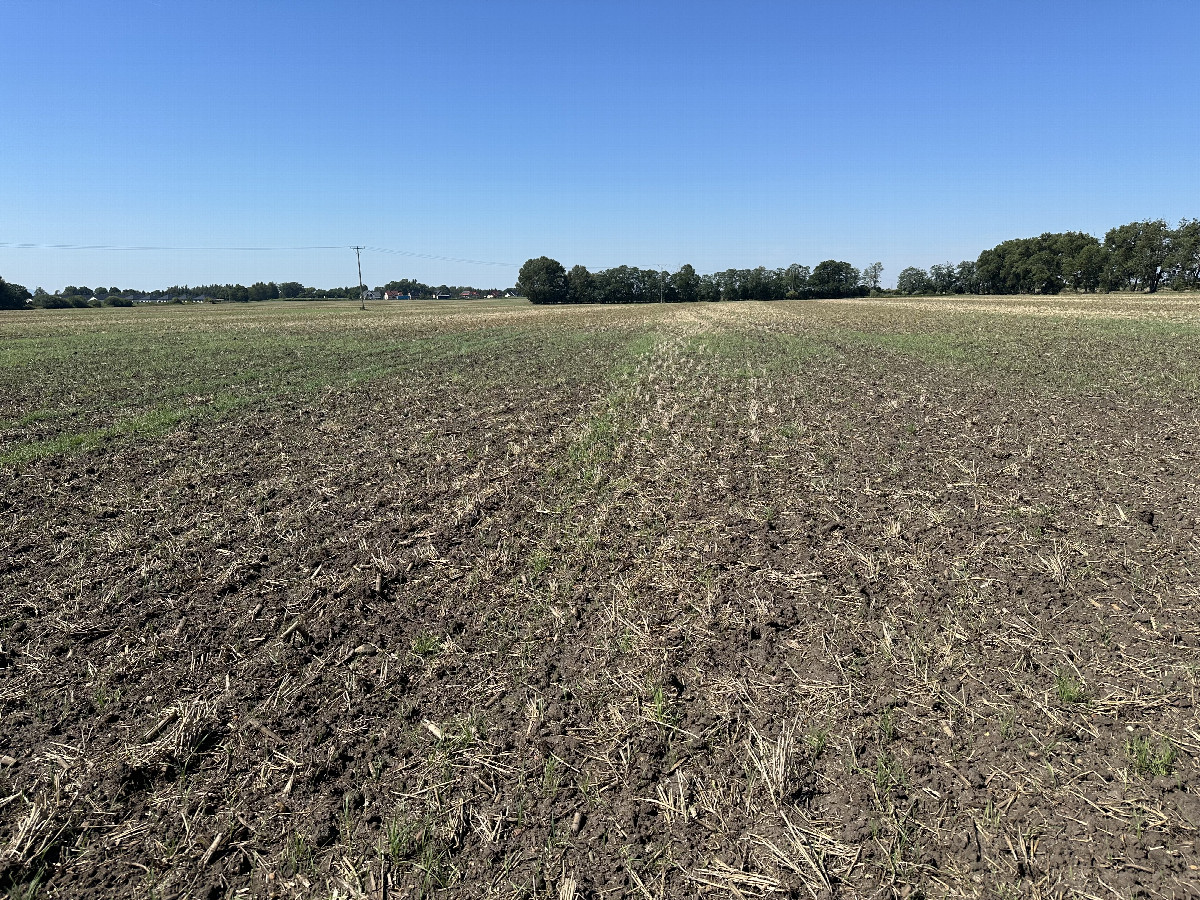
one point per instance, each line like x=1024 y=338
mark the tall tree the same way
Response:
x=686 y=283
x=796 y=281
x=1137 y=255
x=944 y=278
x=966 y=279
x=13 y=296
x=834 y=278
x=1081 y=261
x=581 y=287
x=913 y=280
x=872 y=274
x=1184 y=259
x=260 y=291
x=543 y=280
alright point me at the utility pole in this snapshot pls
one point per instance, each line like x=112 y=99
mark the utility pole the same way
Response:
x=362 y=292
x=661 y=273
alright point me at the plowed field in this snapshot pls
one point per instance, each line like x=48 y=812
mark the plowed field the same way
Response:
x=842 y=599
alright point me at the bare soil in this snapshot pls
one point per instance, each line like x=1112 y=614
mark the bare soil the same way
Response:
x=799 y=600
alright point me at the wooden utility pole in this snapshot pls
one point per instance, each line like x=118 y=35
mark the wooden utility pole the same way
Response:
x=362 y=292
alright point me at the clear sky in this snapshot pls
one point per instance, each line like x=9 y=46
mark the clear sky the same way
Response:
x=724 y=134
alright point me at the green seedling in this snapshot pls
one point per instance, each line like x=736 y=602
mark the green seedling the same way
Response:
x=426 y=644
x=1068 y=688
x=1149 y=761
x=817 y=742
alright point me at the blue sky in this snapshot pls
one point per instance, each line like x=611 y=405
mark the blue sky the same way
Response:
x=651 y=133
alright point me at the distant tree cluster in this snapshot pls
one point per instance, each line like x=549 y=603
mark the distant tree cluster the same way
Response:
x=544 y=280
x=1141 y=256
x=417 y=290
x=1146 y=256
x=15 y=296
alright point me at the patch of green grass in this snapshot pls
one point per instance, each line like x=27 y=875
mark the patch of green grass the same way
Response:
x=771 y=352
x=662 y=710
x=151 y=424
x=1148 y=760
x=539 y=561
x=889 y=773
x=89 y=381
x=28 y=890
x=931 y=346
x=550 y=777
x=817 y=742
x=299 y=856
x=417 y=842
x=426 y=644
x=887 y=726
x=1068 y=688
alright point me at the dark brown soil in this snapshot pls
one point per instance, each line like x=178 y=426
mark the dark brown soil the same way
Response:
x=773 y=616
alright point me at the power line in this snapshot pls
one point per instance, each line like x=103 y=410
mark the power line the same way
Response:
x=457 y=259
x=165 y=249
x=161 y=248
x=10 y=246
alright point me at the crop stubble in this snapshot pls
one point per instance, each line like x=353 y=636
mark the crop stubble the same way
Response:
x=843 y=599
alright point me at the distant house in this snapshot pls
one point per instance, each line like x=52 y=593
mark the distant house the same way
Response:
x=510 y=293
x=396 y=295
x=373 y=295
x=441 y=295
x=471 y=294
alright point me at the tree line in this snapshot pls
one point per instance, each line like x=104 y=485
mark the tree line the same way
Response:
x=1146 y=256
x=545 y=280
x=16 y=296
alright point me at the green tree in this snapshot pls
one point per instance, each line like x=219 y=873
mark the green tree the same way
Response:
x=581 y=286
x=1137 y=255
x=626 y=284
x=757 y=284
x=914 y=281
x=966 y=278
x=944 y=278
x=1081 y=261
x=13 y=296
x=872 y=274
x=1042 y=265
x=834 y=278
x=260 y=291
x=686 y=284
x=543 y=280
x=795 y=279
x=1184 y=259
x=410 y=287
